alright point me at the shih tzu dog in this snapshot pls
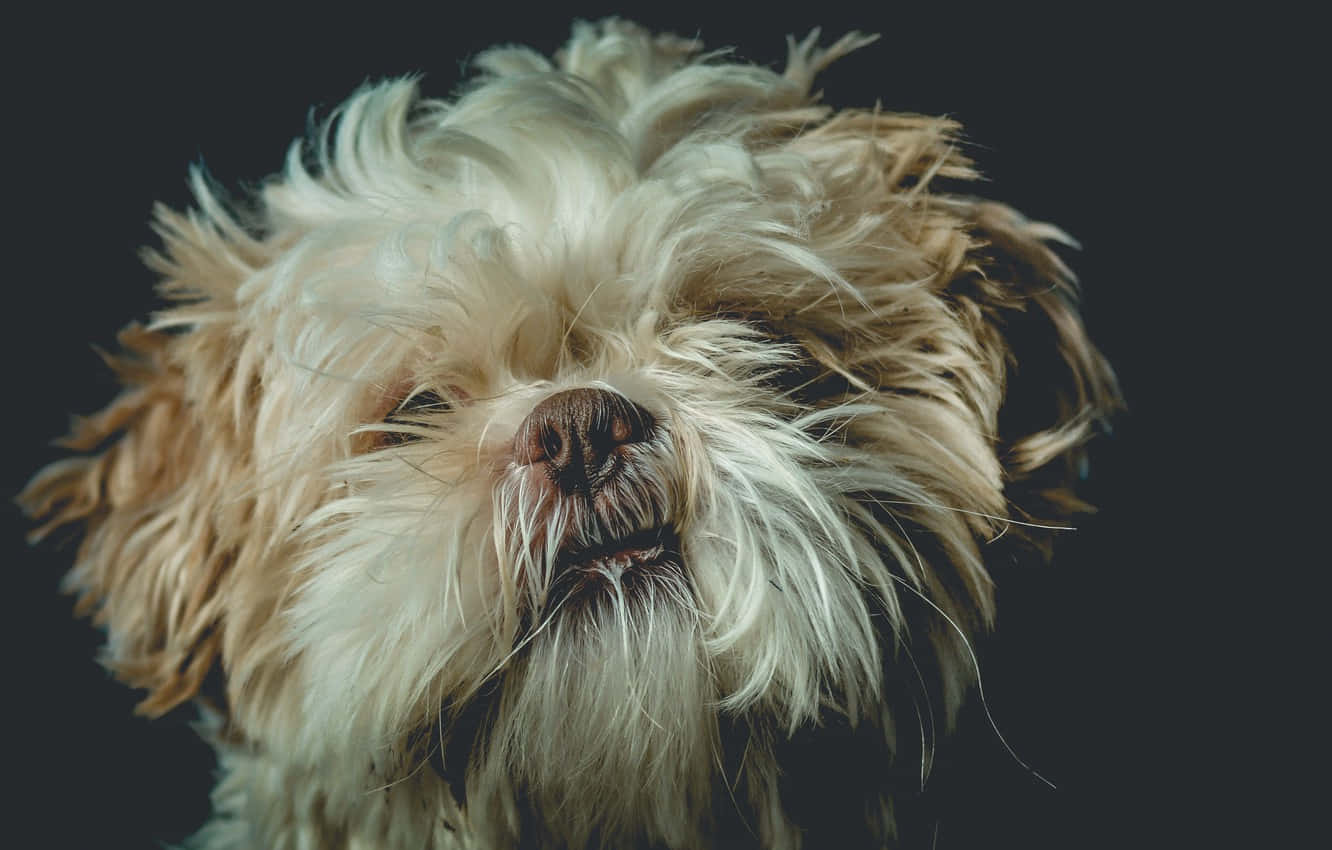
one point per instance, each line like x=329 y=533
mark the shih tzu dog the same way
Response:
x=609 y=457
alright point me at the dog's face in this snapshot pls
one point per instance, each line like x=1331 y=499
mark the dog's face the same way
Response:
x=586 y=439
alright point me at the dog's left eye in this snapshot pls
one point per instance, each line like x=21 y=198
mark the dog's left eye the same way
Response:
x=426 y=401
x=406 y=418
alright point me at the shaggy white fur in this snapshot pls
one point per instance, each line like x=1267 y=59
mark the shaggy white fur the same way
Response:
x=315 y=493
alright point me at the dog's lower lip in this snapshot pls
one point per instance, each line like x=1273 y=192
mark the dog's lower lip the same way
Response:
x=643 y=548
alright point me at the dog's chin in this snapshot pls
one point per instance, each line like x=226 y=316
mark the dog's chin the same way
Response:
x=607 y=722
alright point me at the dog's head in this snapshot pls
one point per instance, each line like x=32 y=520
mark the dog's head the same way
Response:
x=593 y=437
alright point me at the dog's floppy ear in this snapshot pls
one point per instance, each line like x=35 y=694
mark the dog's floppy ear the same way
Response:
x=1058 y=386
x=997 y=343
x=148 y=492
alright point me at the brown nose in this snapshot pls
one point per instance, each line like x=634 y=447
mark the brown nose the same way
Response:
x=575 y=433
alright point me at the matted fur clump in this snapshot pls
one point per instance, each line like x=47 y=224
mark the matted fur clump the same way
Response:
x=607 y=458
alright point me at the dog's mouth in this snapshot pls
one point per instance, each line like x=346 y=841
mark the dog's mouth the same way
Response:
x=651 y=549
x=622 y=567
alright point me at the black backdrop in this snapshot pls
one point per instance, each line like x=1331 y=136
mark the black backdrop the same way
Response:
x=1066 y=115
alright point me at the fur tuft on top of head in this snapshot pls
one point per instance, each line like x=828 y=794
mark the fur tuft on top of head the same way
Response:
x=806 y=385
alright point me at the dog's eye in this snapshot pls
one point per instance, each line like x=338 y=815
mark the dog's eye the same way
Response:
x=407 y=418
x=426 y=401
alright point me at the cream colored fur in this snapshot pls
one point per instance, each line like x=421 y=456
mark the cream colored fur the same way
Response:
x=826 y=338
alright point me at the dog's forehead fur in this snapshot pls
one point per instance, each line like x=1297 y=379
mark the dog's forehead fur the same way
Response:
x=823 y=342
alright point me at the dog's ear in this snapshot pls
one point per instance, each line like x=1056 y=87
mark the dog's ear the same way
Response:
x=977 y=321
x=149 y=491
x=1058 y=388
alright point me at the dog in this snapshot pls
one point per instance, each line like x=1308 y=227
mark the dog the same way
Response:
x=607 y=457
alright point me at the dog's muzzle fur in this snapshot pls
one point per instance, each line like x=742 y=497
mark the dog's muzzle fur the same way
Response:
x=610 y=457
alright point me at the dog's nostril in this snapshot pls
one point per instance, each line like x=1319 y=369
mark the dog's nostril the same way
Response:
x=575 y=432
x=551 y=443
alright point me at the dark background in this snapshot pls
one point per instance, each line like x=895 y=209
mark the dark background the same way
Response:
x=1085 y=120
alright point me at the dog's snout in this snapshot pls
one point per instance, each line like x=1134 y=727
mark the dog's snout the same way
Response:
x=576 y=432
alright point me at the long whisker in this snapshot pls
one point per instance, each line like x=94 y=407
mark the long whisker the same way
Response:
x=980 y=685
x=1002 y=519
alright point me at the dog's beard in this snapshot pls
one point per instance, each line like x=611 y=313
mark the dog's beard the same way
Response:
x=607 y=723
